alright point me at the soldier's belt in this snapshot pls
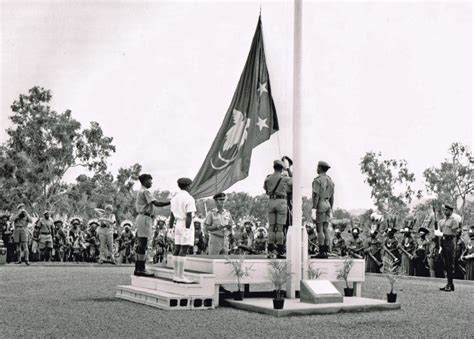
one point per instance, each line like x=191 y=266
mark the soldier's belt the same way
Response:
x=277 y=196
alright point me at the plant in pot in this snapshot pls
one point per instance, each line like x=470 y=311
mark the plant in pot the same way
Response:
x=315 y=273
x=343 y=274
x=392 y=271
x=278 y=273
x=239 y=271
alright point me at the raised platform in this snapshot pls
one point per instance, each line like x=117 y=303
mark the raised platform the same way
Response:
x=295 y=307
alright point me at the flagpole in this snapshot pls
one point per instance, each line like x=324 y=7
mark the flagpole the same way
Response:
x=294 y=243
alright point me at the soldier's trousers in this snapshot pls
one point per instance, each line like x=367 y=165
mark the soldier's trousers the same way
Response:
x=448 y=255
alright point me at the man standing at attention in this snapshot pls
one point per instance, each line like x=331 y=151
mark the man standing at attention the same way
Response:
x=219 y=224
x=144 y=222
x=323 y=200
x=277 y=186
x=182 y=208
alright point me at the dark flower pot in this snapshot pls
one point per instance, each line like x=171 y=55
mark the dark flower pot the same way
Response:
x=278 y=303
x=348 y=292
x=239 y=295
x=391 y=297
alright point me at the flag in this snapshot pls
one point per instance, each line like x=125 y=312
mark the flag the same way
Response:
x=250 y=120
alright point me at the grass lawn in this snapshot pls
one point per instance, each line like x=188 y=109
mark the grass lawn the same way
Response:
x=68 y=301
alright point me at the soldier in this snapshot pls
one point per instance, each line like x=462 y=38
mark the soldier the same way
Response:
x=373 y=251
x=459 y=251
x=183 y=207
x=20 y=234
x=355 y=246
x=46 y=229
x=448 y=227
x=407 y=248
x=289 y=197
x=277 y=186
x=219 y=224
x=323 y=200
x=144 y=222
x=420 y=260
x=338 y=243
x=469 y=255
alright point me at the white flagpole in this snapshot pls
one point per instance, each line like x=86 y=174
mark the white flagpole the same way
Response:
x=295 y=233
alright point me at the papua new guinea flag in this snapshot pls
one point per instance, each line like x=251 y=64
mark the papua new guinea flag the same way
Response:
x=250 y=120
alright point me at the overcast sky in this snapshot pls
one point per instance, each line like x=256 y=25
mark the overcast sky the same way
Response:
x=159 y=76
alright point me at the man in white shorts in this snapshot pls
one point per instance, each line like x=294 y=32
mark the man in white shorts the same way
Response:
x=182 y=208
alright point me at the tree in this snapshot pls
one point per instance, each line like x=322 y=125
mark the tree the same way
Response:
x=390 y=182
x=42 y=146
x=453 y=179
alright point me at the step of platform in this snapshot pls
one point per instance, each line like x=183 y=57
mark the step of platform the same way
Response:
x=202 y=278
x=163 y=300
x=169 y=286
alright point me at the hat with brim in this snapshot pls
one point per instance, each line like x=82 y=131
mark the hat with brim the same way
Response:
x=219 y=196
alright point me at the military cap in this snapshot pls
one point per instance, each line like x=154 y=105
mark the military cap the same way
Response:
x=423 y=230
x=323 y=164
x=448 y=207
x=184 y=182
x=279 y=163
x=219 y=195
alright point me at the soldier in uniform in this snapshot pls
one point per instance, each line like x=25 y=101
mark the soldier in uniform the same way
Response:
x=447 y=231
x=323 y=200
x=420 y=260
x=277 y=186
x=218 y=224
x=459 y=251
x=144 y=222
x=355 y=246
x=373 y=251
x=46 y=229
x=338 y=243
x=407 y=248
x=20 y=234
x=289 y=197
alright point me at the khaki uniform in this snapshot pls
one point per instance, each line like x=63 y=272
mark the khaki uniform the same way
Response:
x=218 y=237
x=144 y=207
x=277 y=187
x=323 y=191
x=45 y=233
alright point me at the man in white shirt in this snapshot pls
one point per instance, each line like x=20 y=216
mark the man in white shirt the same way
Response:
x=182 y=208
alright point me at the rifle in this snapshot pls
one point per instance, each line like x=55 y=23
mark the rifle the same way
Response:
x=393 y=256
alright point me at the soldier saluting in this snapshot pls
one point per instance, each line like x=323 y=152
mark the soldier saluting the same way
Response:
x=323 y=200
x=277 y=186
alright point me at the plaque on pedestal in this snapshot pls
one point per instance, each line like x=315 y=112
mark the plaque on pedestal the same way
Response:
x=319 y=292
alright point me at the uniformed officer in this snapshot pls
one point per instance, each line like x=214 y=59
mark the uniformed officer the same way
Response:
x=46 y=229
x=144 y=222
x=420 y=260
x=218 y=224
x=277 y=186
x=323 y=200
x=447 y=231
x=289 y=197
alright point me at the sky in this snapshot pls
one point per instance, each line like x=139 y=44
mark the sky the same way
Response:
x=159 y=76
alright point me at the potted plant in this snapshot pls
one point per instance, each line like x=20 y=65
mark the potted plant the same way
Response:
x=278 y=273
x=315 y=273
x=239 y=271
x=343 y=274
x=392 y=271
